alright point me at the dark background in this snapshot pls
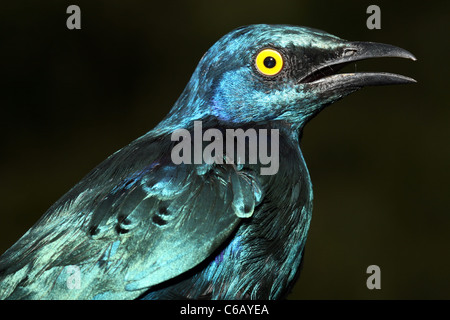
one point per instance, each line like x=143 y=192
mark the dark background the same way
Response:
x=379 y=159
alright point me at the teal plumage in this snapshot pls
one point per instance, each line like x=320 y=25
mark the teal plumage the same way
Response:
x=141 y=226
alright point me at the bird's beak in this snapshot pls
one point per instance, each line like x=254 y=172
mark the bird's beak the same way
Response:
x=325 y=74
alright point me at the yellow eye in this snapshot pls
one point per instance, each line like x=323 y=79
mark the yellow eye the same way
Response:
x=269 y=62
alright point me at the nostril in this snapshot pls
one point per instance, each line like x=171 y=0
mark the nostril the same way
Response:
x=348 y=52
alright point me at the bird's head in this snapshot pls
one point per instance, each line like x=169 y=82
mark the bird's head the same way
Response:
x=279 y=72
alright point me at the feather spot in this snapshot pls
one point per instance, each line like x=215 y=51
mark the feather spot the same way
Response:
x=121 y=230
x=158 y=220
x=23 y=281
x=93 y=230
x=163 y=211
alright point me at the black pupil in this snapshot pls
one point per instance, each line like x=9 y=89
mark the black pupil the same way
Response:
x=270 y=62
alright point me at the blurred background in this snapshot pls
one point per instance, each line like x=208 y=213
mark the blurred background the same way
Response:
x=379 y=159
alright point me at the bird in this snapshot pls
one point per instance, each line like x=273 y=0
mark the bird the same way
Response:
x=141 y=225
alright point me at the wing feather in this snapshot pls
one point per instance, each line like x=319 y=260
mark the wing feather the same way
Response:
x=133 y=222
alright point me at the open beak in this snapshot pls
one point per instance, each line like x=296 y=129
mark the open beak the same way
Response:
x=326 y=74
